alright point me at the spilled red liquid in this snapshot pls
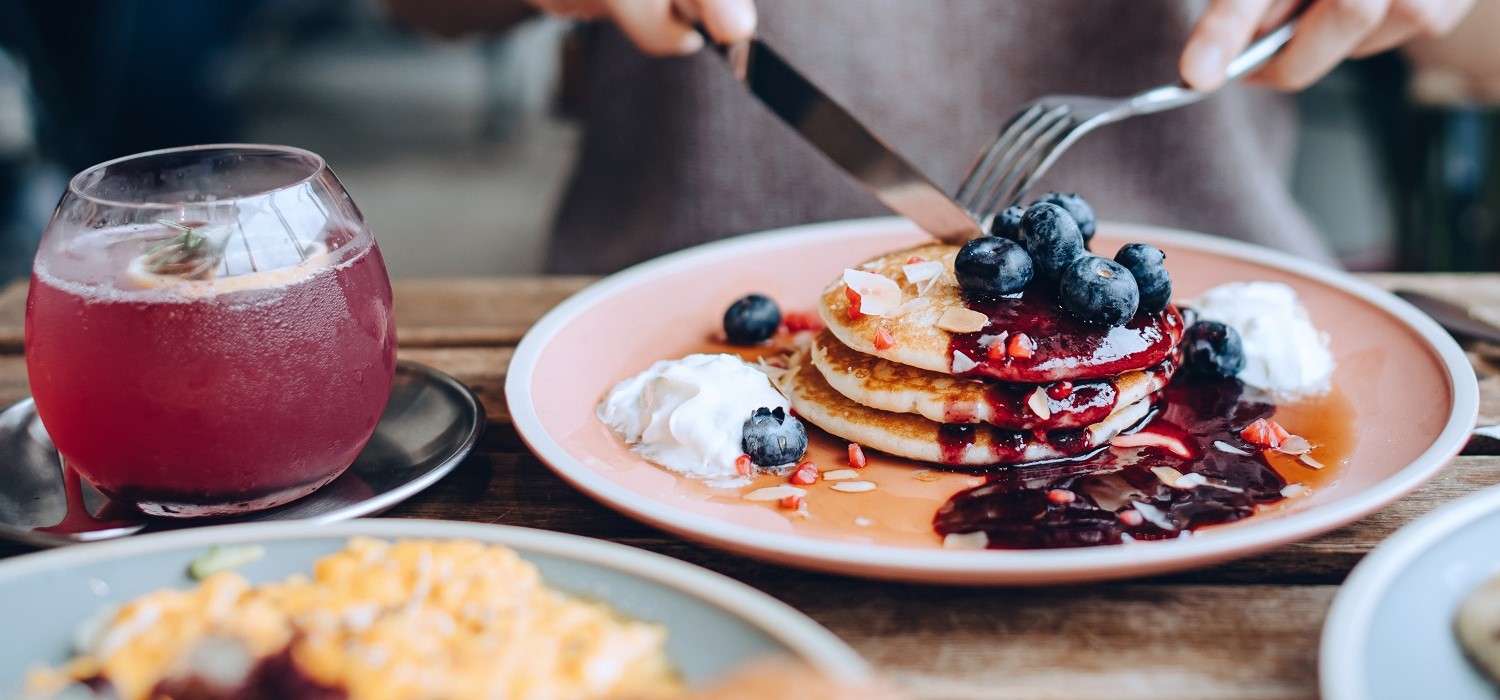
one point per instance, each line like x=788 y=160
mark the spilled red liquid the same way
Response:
x=1070 y=404
x=1066 y=347
x=78 y=520
x=1081 y=503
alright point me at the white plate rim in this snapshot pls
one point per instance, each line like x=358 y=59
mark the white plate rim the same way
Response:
x=1346 y=629
x=1007 y=566
x=813 y=643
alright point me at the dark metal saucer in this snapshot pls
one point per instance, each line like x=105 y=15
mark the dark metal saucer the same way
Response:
x=430 y=424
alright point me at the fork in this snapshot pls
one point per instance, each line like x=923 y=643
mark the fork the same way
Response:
x=1033 y=139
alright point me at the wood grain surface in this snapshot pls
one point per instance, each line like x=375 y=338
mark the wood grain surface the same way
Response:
x=1245 y=629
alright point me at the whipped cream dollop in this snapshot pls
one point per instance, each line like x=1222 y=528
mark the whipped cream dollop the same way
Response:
x=1284 y=352
x=688 y=415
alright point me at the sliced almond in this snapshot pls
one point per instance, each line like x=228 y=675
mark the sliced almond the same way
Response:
x=926 y=475
x=840 y=475
x=1295 y=445
x=1168 y=476
x=913 y=304
x=962 y=363
x=774 y=493
x=1154 y=515
x=958 y=319
x=878 y=294
x=1039 y=404
x=1307 y=459
x=966 y=540
x=922 y=271
x=854 y=486
x=1293 y=490
x=1231 y=449
x=1146 y=438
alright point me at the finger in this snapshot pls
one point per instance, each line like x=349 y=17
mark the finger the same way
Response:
x=654 y=28
x=573 y=9
x=1221 y=34
x=1327 y=33
x=1391 y=34
x=728 y=21
x=1278 y=13
x=1410 y=19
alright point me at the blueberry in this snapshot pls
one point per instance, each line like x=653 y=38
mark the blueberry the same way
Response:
x=1007 y=224
x=751 y=320
x=1148 y=265
x=772 y=438
x=1099 y=290
x=1052 y=238
x=1212 y=350
x=992 y=266
x=1082 y=213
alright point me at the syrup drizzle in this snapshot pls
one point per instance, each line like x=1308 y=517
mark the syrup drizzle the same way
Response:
x=1066 y=347
x=1075 y=405
x=1115 y=496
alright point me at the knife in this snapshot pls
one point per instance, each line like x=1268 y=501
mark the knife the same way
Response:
x=830 y=128
x=1455 y=319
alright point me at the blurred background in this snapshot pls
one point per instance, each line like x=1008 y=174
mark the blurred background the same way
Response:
x=465 y=140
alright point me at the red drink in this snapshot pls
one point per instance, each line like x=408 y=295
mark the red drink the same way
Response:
x=193 y=397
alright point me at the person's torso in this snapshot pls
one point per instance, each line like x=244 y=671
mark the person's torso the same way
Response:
x=675 y=152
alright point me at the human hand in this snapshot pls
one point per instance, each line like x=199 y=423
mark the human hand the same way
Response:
x=1328 y=32
x=664 y=27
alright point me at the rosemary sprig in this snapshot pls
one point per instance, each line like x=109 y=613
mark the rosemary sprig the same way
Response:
x=190 y=236
x=191 y=254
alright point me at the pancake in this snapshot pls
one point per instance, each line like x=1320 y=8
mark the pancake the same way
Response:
x=888 y=386
x=1065 y=348
x=959 y=445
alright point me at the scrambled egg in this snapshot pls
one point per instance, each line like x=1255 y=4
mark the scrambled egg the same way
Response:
x=410 y=619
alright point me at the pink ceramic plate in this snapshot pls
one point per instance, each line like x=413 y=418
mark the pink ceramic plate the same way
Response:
x=1408 y=386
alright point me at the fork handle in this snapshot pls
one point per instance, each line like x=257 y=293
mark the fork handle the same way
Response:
x=1254 y=56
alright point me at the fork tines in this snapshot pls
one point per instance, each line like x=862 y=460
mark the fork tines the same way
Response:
x=1014 y=160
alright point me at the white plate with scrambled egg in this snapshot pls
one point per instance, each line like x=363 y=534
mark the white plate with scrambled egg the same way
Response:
x=385 y=609
x=1420 y=616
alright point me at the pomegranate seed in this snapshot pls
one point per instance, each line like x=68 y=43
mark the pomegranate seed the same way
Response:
x=792 y=503
x=1060 y=390
x=798 y=321
x=1265 y=433
x=854 y=301
x=996 y=351
x=1061 y=497
x=915 y=259
x=1020 y=345
x=807 y=473
x=883 y=339
x=743 y=466
x=857 y=457
x=1131 y=517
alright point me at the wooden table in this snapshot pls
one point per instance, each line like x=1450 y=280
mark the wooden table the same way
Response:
x=1246 y=629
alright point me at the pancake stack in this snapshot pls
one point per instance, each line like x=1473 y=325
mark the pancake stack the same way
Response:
x=937 y=376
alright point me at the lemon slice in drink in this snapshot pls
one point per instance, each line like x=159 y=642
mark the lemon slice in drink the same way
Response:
x=139 y=273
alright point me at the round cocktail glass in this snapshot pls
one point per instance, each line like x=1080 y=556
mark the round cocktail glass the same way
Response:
x=209 y=329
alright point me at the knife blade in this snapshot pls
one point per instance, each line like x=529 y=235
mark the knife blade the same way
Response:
x=1455 y=319
x=837 y=134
